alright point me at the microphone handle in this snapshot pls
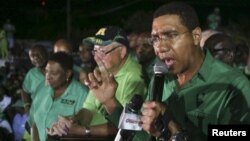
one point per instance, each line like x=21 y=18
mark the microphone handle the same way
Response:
x=127 y=135
x=124 y=135
x=118 y=136
x=158 y=87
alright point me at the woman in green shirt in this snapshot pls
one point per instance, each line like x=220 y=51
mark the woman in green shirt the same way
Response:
x=61 y=95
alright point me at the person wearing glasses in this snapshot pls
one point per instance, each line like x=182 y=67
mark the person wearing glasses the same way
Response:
x=111 y=44
x=222 y=47
x=198 y=90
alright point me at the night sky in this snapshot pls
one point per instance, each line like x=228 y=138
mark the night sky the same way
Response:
x=46 y=19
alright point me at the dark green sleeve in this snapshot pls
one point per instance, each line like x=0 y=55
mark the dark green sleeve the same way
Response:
x=115 y=115
x=143 y=136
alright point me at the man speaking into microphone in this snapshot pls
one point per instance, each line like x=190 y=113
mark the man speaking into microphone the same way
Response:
x=197 y=91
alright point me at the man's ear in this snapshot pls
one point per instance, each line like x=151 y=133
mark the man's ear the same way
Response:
x=197 y=35
x=123 y=52
x=69 y=73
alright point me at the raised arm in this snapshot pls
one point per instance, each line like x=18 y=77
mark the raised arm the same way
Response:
x=103 y=85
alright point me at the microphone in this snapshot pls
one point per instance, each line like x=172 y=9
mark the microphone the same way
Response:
x=160 y=69
x=129 y=119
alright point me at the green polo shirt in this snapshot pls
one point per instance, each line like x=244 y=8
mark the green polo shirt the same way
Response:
x=32 y=80
x=217 y=94
x=130 y=82
x=48 y=109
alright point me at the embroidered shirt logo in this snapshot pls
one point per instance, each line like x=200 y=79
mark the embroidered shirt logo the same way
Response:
x=67 y=101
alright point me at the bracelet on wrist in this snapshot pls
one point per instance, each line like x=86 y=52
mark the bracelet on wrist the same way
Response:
x=165 y=135
x=179 y=136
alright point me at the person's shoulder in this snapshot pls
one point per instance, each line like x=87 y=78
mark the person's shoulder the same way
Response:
x=131 y=68
x=232 y=74
x=76 y=68
x=31 y=72
x=221 y=67
x=33 y=69
x=239 y=77
x=75 y=83
x=35 y=73
x=77 y=86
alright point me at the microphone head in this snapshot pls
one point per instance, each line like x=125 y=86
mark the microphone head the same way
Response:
x=135 y=103
x=160 y=67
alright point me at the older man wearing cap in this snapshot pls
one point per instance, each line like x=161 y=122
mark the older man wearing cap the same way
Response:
x=111 y=44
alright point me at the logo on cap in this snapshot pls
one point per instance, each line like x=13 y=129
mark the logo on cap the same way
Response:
x=101 y=31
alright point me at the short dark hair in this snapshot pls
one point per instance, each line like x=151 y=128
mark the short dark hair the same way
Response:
x=187 y=14
x=65 y=60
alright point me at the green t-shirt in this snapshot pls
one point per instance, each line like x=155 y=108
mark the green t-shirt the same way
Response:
x=47 y=110
x=217 y=94
x=130 y=82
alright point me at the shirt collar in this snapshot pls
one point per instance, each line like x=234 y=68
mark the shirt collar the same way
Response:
x=206 y=67
x=124 y=67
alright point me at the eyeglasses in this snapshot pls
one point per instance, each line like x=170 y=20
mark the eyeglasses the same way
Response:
x=219 y=50
x=105 y=52
x=166 y=36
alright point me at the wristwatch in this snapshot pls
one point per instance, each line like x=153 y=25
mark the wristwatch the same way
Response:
x=165 y=135
x=179 y=136
x=87 y=131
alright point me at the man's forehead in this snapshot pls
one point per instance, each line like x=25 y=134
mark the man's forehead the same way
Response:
x=60 y=48
x=163 y=29
x=165 y=23
x=99 y=46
